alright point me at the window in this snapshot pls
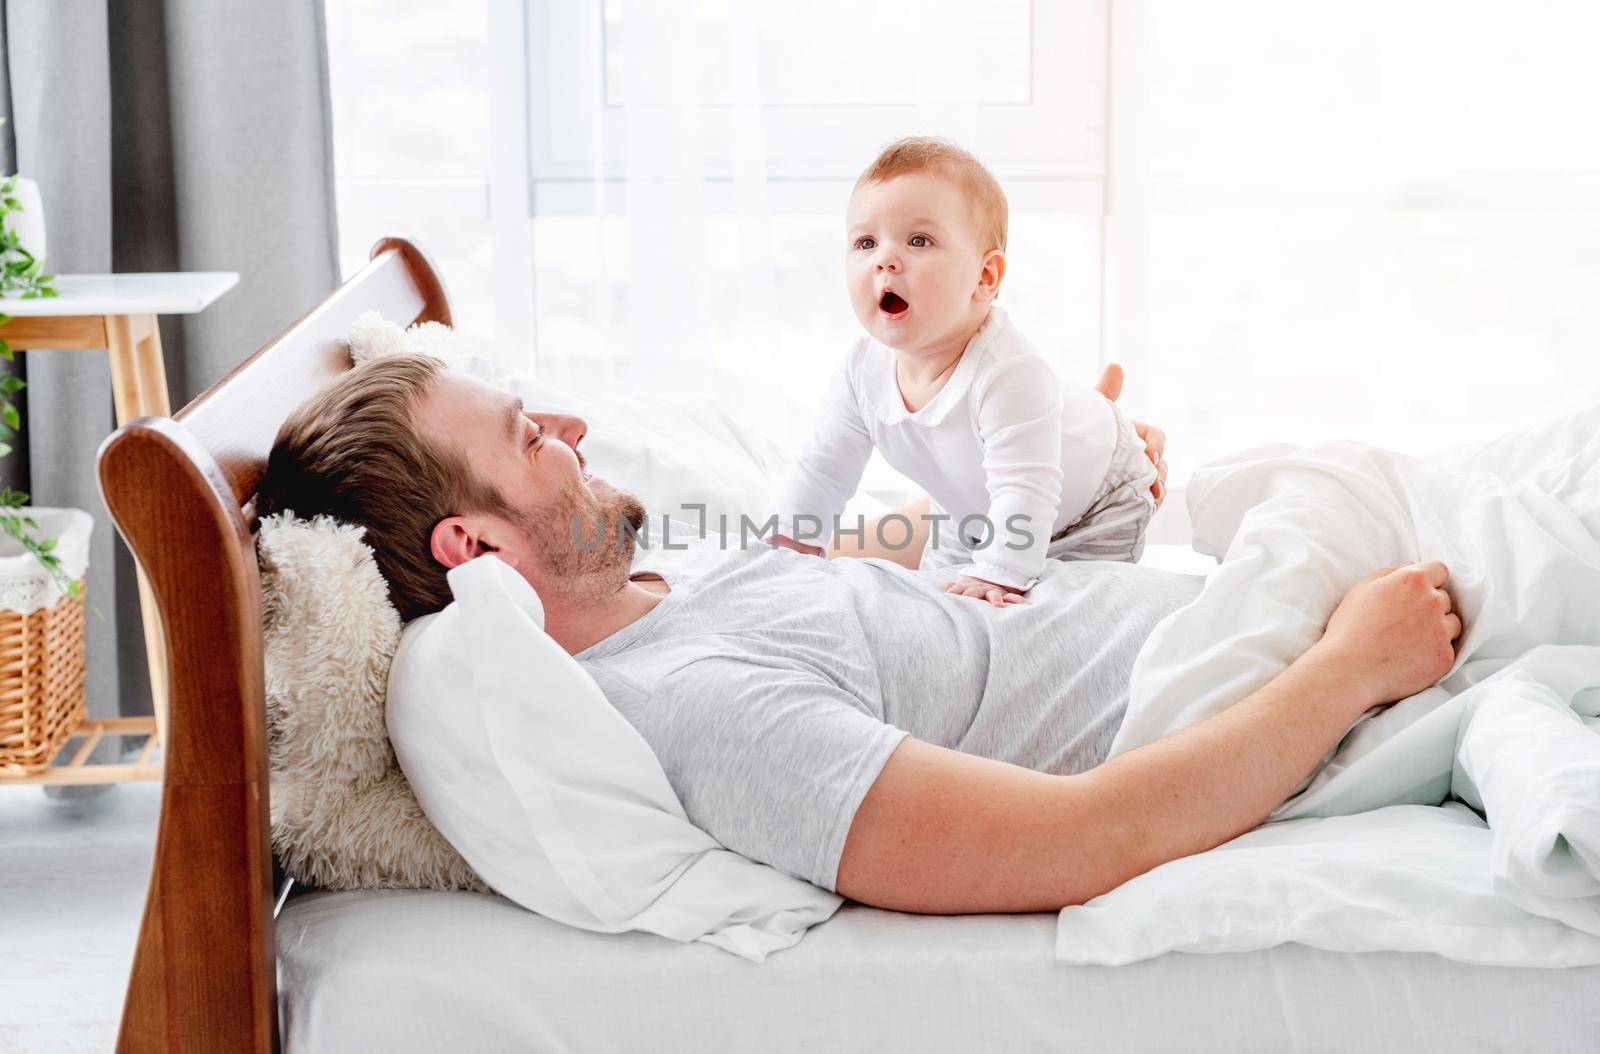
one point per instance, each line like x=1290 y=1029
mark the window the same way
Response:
x=411 y=126
x=686 y=168
x=815 y=88
x=1288 y=220
x=1367 y=219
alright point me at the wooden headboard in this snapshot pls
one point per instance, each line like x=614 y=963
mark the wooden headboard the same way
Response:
x=181 y=491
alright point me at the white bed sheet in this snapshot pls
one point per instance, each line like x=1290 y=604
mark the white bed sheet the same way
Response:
x=427 y=971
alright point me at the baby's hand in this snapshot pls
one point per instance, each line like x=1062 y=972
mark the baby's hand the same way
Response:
x=999 y=596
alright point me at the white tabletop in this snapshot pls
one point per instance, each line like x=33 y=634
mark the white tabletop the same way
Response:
x=155 y=293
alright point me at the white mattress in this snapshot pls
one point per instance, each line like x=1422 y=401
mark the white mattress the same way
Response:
x=415 y=971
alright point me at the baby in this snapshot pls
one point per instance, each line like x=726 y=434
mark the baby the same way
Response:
x=956 y=398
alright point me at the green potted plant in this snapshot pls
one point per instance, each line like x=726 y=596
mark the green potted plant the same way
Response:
x=44 y=553
x=22 y=274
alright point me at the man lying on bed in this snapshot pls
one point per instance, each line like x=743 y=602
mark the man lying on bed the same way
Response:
x=846 y=721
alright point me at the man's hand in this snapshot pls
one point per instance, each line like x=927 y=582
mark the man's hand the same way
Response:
x=1110 y=383
x=783 y=541
x=1393 y=631
x=1155 y=440
x=998 y=595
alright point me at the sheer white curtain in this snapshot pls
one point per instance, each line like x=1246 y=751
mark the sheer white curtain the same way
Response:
x=701 y=248
x=689 y=164
x=701 y=305
x=1374 y=220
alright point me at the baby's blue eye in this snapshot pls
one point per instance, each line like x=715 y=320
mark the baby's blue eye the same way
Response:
x=867 y=242
x=919 y=241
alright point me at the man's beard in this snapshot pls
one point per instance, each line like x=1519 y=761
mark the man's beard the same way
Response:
x=584 y=541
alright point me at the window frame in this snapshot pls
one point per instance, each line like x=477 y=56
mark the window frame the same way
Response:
x=568 y=109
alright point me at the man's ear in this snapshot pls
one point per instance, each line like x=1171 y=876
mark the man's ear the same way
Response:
x=992 y=274
x=457 y=539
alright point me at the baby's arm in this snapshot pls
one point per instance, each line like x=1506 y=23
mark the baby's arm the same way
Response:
x=1018 y=408
x=829 y=468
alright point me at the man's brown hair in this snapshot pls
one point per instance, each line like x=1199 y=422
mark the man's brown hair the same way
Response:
x=352 y=452
x=990 y=212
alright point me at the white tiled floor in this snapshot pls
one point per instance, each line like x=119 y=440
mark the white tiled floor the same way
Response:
x=72 y=887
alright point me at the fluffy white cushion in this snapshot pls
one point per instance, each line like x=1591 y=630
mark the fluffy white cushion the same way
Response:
x=372 y=336
x=553 y=796
x=343 y=816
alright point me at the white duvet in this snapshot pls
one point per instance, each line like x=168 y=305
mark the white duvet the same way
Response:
x=1378 y=851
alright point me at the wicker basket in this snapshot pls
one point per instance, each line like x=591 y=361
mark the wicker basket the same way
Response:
x=41 y=684
x=41 y=646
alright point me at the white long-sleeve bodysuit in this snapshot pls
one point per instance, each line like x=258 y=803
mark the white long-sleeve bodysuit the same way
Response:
x=1024 y=469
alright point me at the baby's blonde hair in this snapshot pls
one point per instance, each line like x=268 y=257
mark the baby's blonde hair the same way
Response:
x=929 y=154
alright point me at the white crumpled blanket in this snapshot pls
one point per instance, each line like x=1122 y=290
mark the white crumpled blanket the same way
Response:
x=1369 y=855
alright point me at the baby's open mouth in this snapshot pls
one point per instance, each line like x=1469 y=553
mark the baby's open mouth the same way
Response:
x=893 y=304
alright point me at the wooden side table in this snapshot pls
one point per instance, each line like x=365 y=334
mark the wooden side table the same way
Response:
x=117 y=312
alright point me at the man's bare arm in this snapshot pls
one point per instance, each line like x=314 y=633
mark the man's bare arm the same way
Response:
x=901 y=542
x=946 y=832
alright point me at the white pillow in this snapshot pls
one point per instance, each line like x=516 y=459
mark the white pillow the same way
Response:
x=552 y=796
x=672 y=451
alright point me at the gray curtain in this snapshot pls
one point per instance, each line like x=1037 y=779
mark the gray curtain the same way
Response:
x=165 y=135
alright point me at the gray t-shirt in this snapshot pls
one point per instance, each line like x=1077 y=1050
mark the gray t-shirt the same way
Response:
x=773 y=686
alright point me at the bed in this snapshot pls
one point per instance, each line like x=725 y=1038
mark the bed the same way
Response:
x=384 y=971
x=222 y=965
